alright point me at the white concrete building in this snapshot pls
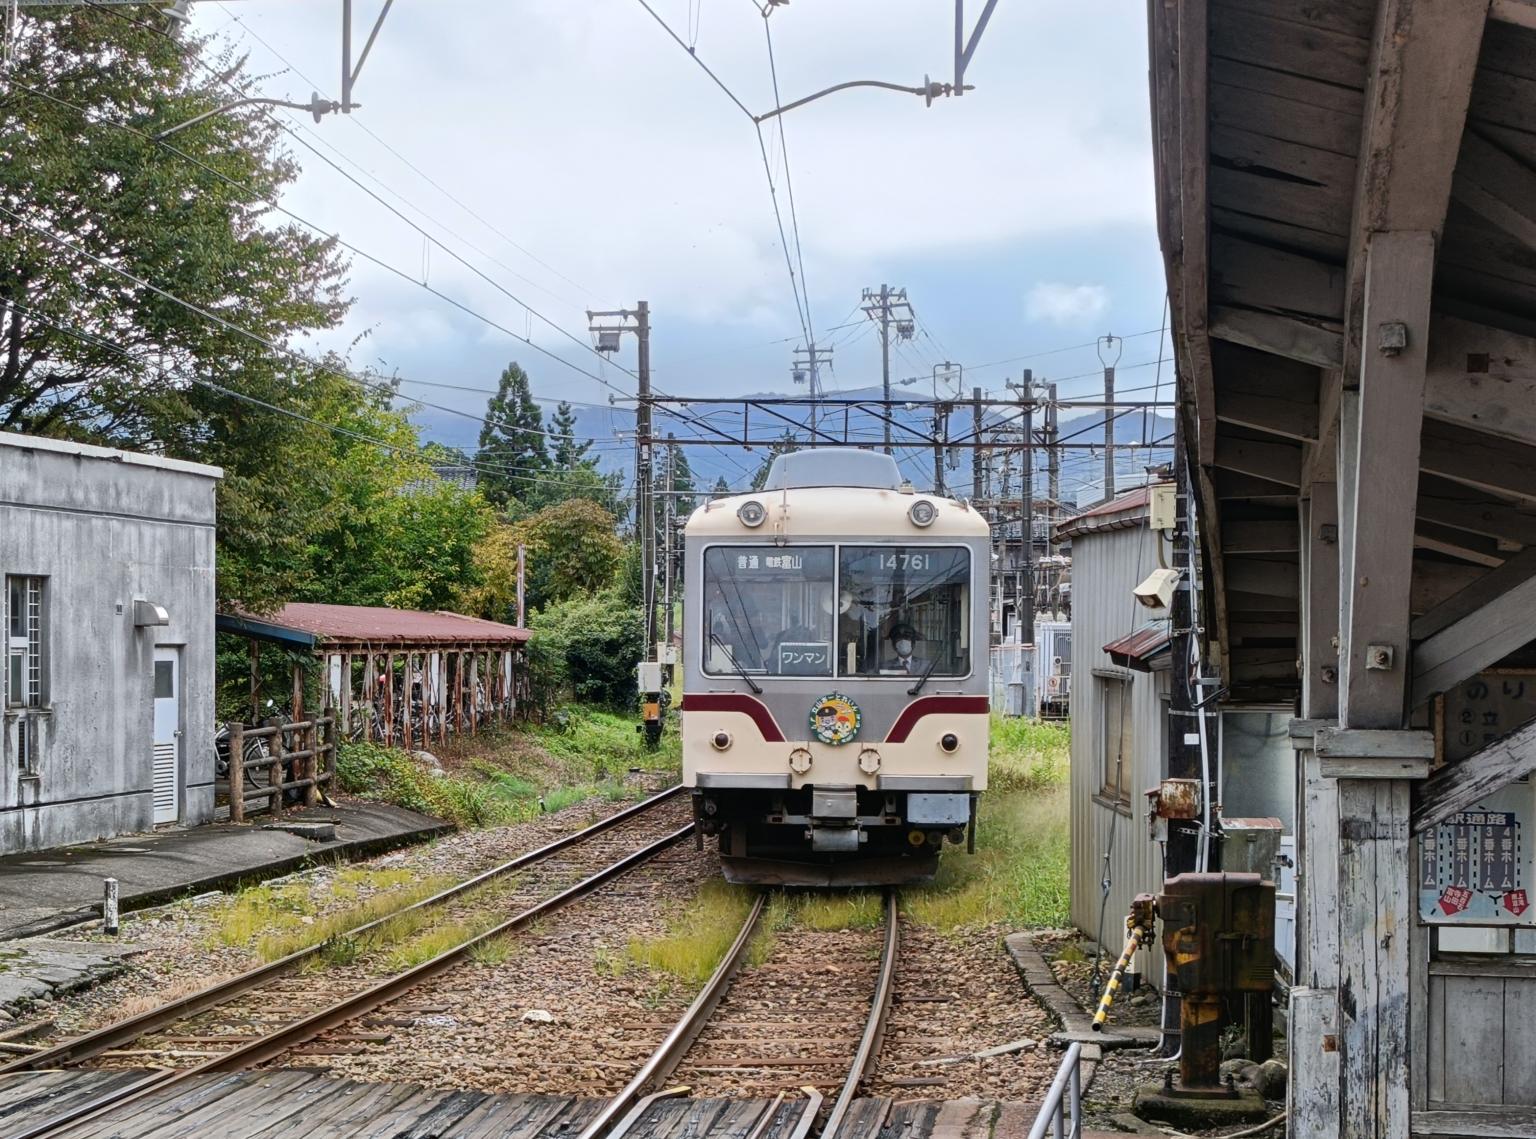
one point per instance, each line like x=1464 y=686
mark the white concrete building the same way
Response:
x=108 y=566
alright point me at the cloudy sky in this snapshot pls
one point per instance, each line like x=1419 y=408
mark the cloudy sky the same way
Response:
x=577 y=158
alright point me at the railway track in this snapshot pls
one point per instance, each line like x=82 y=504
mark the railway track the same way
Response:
x=772 y=1032
x=601 y=853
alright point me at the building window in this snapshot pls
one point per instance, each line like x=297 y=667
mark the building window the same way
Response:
x=1115 y=739
x=24 y=642
x=23 y=667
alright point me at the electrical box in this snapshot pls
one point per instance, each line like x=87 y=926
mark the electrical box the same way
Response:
x=1219 y=933
x=648 y=676
x=666 y=654
x=1251 y=846
x=1162 y=506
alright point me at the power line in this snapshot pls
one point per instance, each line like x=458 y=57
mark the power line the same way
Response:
x=529 y=474
x=488 y=321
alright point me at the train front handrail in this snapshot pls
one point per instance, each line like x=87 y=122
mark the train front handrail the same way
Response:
x=1062 y=1111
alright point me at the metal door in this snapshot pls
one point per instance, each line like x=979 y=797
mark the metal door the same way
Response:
x=167 y=754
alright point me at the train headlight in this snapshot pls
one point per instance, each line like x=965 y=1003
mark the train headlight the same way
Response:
x=800 y=761
x=950 y=742
x=720 y=741
x=922 y=512
x=752 y=513
x=869 y=761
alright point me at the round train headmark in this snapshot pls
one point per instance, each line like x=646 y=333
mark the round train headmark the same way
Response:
x=835 y=719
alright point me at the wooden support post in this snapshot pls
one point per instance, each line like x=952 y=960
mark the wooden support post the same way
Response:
x=275 y=775
x=255 y=681
x=310 y=742
x=406 y=695
x=474 y=691
x=1375 y=651
x=370 y=695
x=236 y=772
x=344 y=713
x=296 y=709
x=1375 y=917
x=440 y=693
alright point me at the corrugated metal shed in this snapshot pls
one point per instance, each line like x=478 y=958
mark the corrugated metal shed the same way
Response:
x=305 y=623
x=1109 y=835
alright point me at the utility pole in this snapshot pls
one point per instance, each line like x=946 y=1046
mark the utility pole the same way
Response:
x=1024 y=605
x=669 y=528
x=1107 y=345
x=805 y=367
x=1052 y=454
x=976 y=454
x=940 y=444
x=889 y=306
x=638 y=321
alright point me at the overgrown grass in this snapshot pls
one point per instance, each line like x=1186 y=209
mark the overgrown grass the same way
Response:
x=697 y=940
x=1019 y=872
x=515 y=774
x=278 y=920
x=598 y=745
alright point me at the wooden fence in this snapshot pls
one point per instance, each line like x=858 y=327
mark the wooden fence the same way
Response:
x=298 y=757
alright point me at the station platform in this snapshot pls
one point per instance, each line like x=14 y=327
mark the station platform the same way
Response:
x=45 y=891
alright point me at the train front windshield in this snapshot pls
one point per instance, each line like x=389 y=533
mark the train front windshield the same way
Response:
x=816 y=611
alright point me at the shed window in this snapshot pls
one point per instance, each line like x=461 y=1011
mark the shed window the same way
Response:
x=1115 y=737
x=24 y=642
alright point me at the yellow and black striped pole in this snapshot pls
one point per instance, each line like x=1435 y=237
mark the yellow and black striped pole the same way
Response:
x=1138 y=929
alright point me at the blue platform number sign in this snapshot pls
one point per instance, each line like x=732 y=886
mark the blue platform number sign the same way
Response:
x=1473 y=870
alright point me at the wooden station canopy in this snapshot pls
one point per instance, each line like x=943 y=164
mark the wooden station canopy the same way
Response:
x=395 y=675
x=1297 y=144
x=337 y=628
x=1346 y=201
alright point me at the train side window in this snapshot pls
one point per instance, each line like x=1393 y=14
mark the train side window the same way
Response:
x=768 y=610
x=903 y=610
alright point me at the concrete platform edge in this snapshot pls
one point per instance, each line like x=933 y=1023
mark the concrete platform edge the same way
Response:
x=346 y=851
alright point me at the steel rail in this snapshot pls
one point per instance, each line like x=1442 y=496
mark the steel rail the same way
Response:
x=874 y=1027
x=274 y=1044
x=671 y=1050
x=126 y=1031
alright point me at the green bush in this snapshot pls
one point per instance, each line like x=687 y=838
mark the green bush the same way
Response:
x=587 y=647
x=391 y=776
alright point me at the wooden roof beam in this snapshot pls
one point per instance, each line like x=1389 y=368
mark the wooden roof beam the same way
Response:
x=1482 y=638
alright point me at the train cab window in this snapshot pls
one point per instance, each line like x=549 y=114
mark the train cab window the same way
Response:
x=904 y=611
x=768 y=610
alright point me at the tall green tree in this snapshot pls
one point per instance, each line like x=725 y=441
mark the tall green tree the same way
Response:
x=566 y=453
x=785 y=444
x=722 y=488
x=512 y=455
x=93 y=207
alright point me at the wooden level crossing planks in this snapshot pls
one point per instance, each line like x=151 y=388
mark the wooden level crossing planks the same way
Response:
x=29 y=1095
x=277 y=1103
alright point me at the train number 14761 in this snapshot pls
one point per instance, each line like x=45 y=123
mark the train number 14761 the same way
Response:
x=906 y=560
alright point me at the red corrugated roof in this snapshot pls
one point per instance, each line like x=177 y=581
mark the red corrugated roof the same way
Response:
x=1127 y=501
x=377 y=624
x=1136 y=650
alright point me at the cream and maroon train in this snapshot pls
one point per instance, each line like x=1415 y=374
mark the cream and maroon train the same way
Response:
x=835 y=685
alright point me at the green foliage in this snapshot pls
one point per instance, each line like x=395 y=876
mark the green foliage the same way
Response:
x=512 y=454
x=196 y=226
x=566 y=453
x=392 y=776
x=1027 y=755
x=588 y=645
x=571 y=550
x=1018 y=874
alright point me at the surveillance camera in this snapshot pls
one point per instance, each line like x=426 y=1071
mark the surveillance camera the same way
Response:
x=1156 y=592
